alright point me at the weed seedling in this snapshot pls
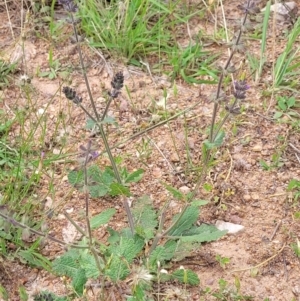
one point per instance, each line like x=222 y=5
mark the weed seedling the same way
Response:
x=223 y=261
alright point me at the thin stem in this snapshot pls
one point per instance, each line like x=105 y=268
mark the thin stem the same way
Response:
x=216 y=104
x=224 y=119
x=87 y=219
x=41 y=234
x=106 y=108
x=83 y=69
x=66 y=214
x=107 y=148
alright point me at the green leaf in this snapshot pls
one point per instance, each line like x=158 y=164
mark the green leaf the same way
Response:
x=23 y=294
x=102 y=218
x=217 y=142
x=282 y=104
x=175 y=192
x=128 y=248
x=114 y=236
x=117 y=269
x=75 y=177
x=65 y=265
x=3 y=293
x=291 y=102
x=264 y=165
x=35 y=259
x=186 y=221
x=199 y=203
x=90 y=124
x=204 y=233
x=88 y=263
x=79 y=280
x=109 y=120
x=135 y=176
x=186 y=277
x=163 y=253
x=44 y=74
x=145 y=217
x=119 y=189
x=277 y=115
x=293 y=184
x=69 y=265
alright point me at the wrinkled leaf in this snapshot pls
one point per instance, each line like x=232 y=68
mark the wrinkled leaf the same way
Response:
x=145 y=217
x=135 y=176
x=102 y=218
x=186 y=277
x=118 y=189
x=186 y=221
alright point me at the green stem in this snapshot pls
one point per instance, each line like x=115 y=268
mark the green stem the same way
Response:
x=83 y=69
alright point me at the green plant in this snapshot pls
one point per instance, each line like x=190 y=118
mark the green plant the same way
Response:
x=286 y=106
x=144 y=149
x=296 y=248
x=122 y=247
x=192 y=64
x=286 y=66
x=294 y=186
x=141 y=28
x=134 y=28
x=47 y=296
x=223 y=261
x=55 y=69
x=230 y=293
x=5 y=70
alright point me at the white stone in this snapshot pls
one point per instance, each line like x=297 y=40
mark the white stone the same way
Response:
x=230 y=227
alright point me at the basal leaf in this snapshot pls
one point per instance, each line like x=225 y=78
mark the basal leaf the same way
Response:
x=204 y=233
x=109 y=120
x=186 y=221
x=135 y=176
x=102 y=218
x=65 y=265
x=88 y=263
x=118 y=189
x=186 y=277
x=117 y=269
x=145 y=217
x=78 y=281
x=99 y=190
x=114 y=236
x=163 y=253
x=128 y=248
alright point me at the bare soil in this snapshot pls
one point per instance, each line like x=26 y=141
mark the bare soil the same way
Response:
x=243 y=193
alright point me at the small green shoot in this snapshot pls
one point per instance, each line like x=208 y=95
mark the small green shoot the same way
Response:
x=288 y=62
x=55 y=70
x=226 y=292
x=296 y=248
x=294 y=186
x=286 y=106
x=6 y=69
x=223 y=261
